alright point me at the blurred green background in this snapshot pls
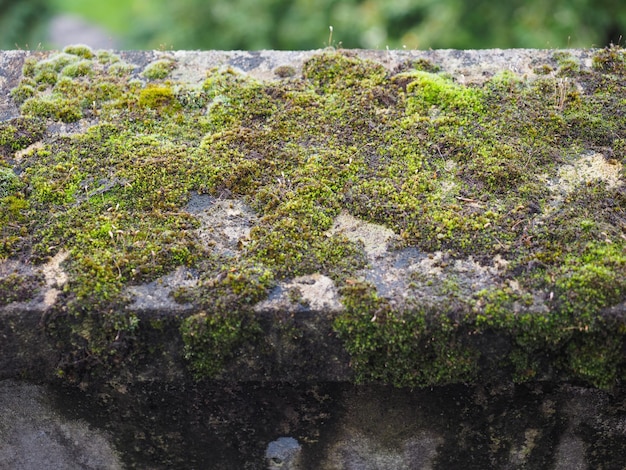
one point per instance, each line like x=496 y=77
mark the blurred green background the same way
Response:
x=304 y=24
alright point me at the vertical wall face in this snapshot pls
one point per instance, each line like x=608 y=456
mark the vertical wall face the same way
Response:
x=325 y=426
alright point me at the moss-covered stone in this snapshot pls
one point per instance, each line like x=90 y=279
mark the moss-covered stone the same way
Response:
x=17 y=134
x=468 y=174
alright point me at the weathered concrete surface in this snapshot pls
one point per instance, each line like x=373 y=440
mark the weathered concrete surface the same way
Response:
x=127 y=343
x=326 y=426
x=34 y=436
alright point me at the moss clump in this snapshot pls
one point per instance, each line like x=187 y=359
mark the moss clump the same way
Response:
x=79 y=50
x=227 y=322
x=9 y=182
x=77 y=69
x=24 y=91
x=425 y=65
x=17 y=288
x=465 y=172
x=568 y=66
x=284 y=71
x=331 y=72
x=17 y=134
x=159 y=69
x=610 y=60
x=60 y=109
x=73 y=85
x=156 y=97
x=427 y=89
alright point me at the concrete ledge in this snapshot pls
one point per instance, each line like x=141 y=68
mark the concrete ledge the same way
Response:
x=390 y=218
x=150 y=192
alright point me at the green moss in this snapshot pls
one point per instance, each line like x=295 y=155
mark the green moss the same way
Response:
x=120 y=69
x=79 y=50
x=596 y=357
x=610 y=60
x=77 y=69
x=107 y=57
x=16 y=288
x=332 y=71
x=425 y=66
x=23 y=92
x=284 y=71
x=215 y=335
x=60 y=109
x=17 y=134
x=9 y=182
x=568 y=66
x=544 y=69
x=427 y=89
x=156 y=97
x=159 y=69
x=414 y=348
x=29 y=67
x=468 y=170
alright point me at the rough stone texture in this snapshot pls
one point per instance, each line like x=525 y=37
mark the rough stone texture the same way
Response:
x=34 y=436
x=326 y=426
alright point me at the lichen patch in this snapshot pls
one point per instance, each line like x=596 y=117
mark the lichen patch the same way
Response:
x=314 y=292
x=155 y=295
x=433 y=278
x=375 y=237
x=225 y=223
x=55 y=278
x=585 y=169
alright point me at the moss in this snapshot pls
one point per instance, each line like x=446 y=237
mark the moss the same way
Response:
x=284 y=71
x=427 y=89
x=425 y=65
x=23 y=92
x=610 y=60
x=9 y=182
x=60 y=109
x=79 y=50
x=156 y=97
x=159 y=69
x=77 y=69
x=17 y=134
x=331 y=71
x=596 y=358
x=17 y=288
x=544 y=69
x=415 y=348
x=215 y=335
x=465 y=170
x=121 y=69
x=106 y=57
x=29 y=67
x=568 y=66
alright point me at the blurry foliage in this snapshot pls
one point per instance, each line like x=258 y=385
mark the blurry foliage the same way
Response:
x=304 y=24
x=22 y=23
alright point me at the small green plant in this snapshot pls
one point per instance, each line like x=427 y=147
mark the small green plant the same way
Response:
x=80 y=50
x=159 y=70
x=9 y=182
